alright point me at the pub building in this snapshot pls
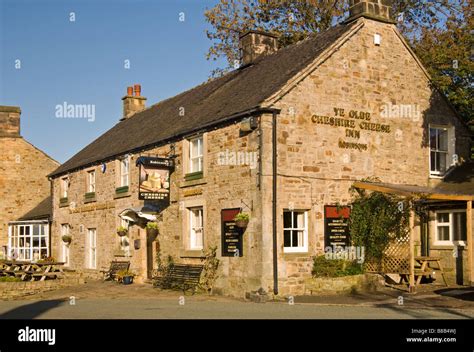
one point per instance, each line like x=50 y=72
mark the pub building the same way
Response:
x=317 y=117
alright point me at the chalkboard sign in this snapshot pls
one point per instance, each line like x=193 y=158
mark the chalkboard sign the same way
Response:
x=231 y=234
x=336 y=226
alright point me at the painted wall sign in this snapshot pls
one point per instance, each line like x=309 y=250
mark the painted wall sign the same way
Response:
x=154 y=183
x=232 y=241
x=336 y=226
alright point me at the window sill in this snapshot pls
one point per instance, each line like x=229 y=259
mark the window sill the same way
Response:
x=192 y=253
x=89 y=197
x=194 y=176
x=296 y=252
x=63 y=202
x=122 y=192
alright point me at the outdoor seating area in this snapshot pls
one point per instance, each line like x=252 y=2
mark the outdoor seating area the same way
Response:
x=30 y=271
x=115 y=267
x=180 y=276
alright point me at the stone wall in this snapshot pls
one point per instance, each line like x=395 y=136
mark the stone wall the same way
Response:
x=23 y=181
x=343 y=285
x=315 y=171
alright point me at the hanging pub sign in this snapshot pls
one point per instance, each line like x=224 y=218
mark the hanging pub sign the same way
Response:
x=154 y=183
x=336 y=226
x=231 y=234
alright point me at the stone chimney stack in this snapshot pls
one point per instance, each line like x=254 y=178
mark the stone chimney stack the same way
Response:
x=253 y=44
x=133 y=102
x=375 y=9
x=10 y=121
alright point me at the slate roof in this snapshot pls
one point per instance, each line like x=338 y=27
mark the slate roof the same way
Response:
x=42 y=211
x=207 y=104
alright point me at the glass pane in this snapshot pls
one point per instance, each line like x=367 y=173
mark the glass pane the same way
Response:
x=441 y=161
x=287 y=238
x=442 y=217
x=433 y=164
x=27 y=230
x=36 y=242
x=195 y=165
x=443 y=233
x=294 y=238
x=22 y=230
x=287 y=219
x=433 y=139
x=459 y=227
x=35 y=230
x=194 y=148
x=300 y=239
x=299 y=220
x=43 y=241
x=443 y=140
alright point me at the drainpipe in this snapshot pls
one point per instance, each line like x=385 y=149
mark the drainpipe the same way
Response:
x=274 y=202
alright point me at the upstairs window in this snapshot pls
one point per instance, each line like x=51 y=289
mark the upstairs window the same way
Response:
x=64 y=187
x=124 y=172
x=438 y=150
x=91 y=181
x=196 y=155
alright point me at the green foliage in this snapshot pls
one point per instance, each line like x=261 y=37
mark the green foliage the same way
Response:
x=323 y=267
x=152 y=225
x=376 y=220
x=242 y=217
x=123 y=273
x=9 y=279
x=66 y=238
x=47 y=260
x=211 y=264
x=122 y=229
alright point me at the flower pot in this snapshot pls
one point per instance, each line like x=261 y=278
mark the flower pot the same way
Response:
x=67 y=239
x=152 y=233
x=242 y=223
x=122 y=233
x=127 y=280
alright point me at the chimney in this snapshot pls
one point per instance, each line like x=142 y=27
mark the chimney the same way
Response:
x=133 y=102
x=253 y=44
x=10 y=121
x=379 y=10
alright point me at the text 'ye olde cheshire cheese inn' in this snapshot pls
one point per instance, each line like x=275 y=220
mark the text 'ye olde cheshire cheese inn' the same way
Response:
x=282 y=138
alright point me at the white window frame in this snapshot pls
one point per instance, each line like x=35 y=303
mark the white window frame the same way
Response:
x=304 y=247
x=26 y=252
x=64 y=187
x=451 y=241
x=91 y=246
x=449 y=152
x=91 y=181
x=124 y=180
x=196 y=230
x=199 y=156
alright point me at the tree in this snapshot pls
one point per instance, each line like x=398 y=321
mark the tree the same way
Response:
x=423 y=23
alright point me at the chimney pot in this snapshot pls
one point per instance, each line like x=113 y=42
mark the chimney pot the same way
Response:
x=138 y=89
x=129 y=91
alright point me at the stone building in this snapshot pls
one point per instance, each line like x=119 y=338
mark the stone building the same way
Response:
x=282 y=138
x=25 y=190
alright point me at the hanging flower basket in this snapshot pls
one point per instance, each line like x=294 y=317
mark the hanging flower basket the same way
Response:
x=152 y=230
x=242 y=220
x=66 y=239
x=122 y=231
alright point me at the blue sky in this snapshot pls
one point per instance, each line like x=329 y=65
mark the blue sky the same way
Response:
x=82 y=62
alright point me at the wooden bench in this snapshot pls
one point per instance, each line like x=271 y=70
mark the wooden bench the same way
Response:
x=115 y=267
x=181 y=276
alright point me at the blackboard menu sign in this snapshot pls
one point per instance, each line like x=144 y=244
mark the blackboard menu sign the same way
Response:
x=336 y=226
x=231 y=234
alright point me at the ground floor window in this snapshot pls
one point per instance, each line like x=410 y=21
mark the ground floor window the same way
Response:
x=450 y=227
x=196 y=234
x=91 y=249
x=295 y=231
x=28 y=241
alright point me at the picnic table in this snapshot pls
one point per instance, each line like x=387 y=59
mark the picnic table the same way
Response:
x=30 y=270
x=423 y=268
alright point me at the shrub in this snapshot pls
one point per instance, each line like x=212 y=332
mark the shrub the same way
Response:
x=9 y=279
x=323 y=267
x=242 y=217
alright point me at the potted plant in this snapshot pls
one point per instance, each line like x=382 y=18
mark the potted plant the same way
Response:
x=125 y=277
x=122 y=231
x=242 y=220
x=67 y=239
x=152 y=230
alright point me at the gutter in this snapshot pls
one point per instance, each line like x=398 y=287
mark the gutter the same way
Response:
x=274 y=201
